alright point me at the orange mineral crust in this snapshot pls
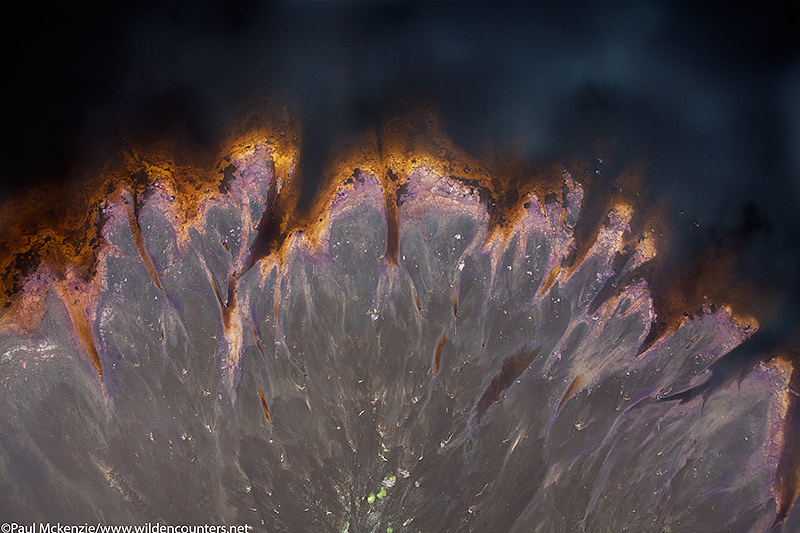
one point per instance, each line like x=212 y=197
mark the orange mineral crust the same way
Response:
x=61 y=227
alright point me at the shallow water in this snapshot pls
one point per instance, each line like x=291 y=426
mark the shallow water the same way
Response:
x=465 y=388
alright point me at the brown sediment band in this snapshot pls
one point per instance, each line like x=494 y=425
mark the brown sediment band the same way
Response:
x=550 y=280
x=391 y=202
x=416 y=299
x=264 y=405
x=230 y=303
x=437 y=356
x=136 y=230
x=512 y=368
x=272 y=229
x=81 y=326
x=573 y=386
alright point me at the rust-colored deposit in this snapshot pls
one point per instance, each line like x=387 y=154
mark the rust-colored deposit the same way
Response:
x=437 y=356
x=264 y=405
x=136 y=230
x=76 y=302
x=513 y=367
x=573 y=386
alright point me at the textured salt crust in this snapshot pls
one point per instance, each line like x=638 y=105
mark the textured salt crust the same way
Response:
x=342 y=344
